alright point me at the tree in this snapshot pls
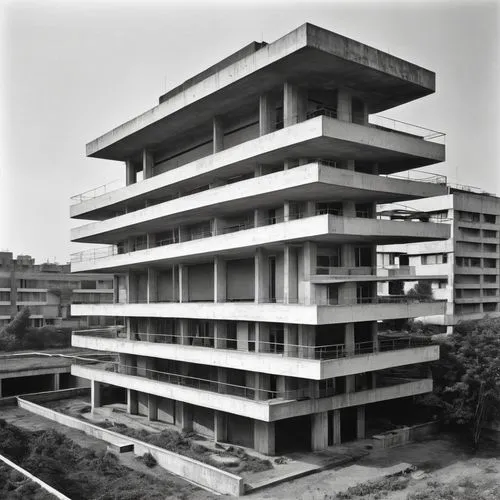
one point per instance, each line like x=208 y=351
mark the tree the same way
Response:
x=467 y=376
x=421 y=291
x=17 y=327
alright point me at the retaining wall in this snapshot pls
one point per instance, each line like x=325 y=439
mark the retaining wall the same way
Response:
x=404 y=435
x=202 y=474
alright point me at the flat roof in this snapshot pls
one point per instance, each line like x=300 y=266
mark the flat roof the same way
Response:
x=308 y=55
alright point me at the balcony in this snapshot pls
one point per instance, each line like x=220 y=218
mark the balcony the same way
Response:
x=246 y=238
x=319 y=313
x=260 y=404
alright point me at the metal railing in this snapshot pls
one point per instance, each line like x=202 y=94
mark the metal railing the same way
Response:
x=390 y=124
x=94 y=254
x=98 y=191
x=382 y=271
x=418 y=176
x=318 y=352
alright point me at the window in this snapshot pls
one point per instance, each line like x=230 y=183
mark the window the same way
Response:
x=467 y=262
x=328 y=258
x=490 y=278
x=490 y=292
x=490 y=263
x=364 y=210
x=489 y=247
x=439 y=216
x=468 y=216
x=363 y=256
x=489 y=234
x=332 y=293
x=434 y=258
x=490 y=218
x=333 y=208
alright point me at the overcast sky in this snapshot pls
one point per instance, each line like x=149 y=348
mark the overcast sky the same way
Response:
x=71 y=71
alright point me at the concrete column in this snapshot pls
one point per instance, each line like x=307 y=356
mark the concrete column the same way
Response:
x=307 y=267
x=360 y=427
x=218 y=133
x=220 y=279
x=131 y=174
x=222 y=378
x=264 y=437
x=267 y=114
x=336 y=427
x=152 y=288
x=1 y=388
x=290 y=275
x=183 y=283
x=152 y=330
x=220 y=426
x=294 y=104
x=259 y=217
x=147 y=164
x=349 y=339
x=344 y=105
x=175 y=284
x=184 y=331
x=242 y=336
x=307 y=340
x=56 y=382
x=310 y=208
x=183 y=416
x=152 y=407
x=261 y=276
x=291 y=338
x=151 y=240
x=262 y=386
x=95 y=394
x=261 y=337
x=220 y=334
x=375 y=336
x=319 y=431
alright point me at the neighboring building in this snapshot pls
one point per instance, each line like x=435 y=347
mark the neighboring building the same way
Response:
x=48 y=290
x=245 y=243
x=466 y=267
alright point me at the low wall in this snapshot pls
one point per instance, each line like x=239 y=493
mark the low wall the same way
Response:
x=202 y=474
x=33 y=478
x=404 y=435
x=55 y=395
x=11 y=400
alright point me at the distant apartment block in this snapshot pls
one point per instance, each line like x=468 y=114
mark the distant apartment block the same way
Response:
x=48 y=290
x=245 y=245
x=469 y=261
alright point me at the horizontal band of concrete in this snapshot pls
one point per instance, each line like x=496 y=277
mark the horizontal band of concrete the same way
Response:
x=33 y=478
x=204 y=475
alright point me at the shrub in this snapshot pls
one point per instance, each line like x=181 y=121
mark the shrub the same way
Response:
x=148 y=460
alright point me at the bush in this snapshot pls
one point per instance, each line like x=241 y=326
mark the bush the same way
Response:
x=148 y=460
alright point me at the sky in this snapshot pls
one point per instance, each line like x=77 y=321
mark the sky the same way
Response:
x=72 y=70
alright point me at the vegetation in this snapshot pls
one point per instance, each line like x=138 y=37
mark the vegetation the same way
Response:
x=79 y=473
x=467 y=377
x=17 y=335
x=466 y=489
x=16 y=486
x=184 y=444
x=148 y=460
x=378 y=488
x=421 y=291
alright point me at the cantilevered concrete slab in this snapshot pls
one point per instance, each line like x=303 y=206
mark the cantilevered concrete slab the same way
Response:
x=308 y=54
x=314 y=180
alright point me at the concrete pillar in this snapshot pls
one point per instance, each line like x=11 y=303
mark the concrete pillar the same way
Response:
x=344 y=105
x=319 y=431
x=152 y=287
x=336 y=427
x=291 y=337
x=259 y=217
x=147 y=164
x=220 y=334
x=184 y=331
x=360 y=427
x=349 y=339
x=183 y=283
x=267 y=114
x=95 y=394
x=262 y=386
x=152 y=407
x=1 y=388
x=242 y=336
x=152 y=330
x=183 y=416
x=151 y=240
x=261 y=276
x=307 y=267
x=264 y=437
x=220 y=426
x=222 y=378
x=261 y=337
x=218 y=133
x=220 y=279
x=294 y=104
x=131 y=174
x=290 y=275
x=374 y=326
x=56 y=382
x=307 y=340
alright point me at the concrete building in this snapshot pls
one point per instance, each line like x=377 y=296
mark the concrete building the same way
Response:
x=245 y=245
x=463 y=270
x=48 y=290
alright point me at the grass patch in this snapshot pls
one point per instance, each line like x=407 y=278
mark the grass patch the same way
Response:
x=465 y=489
x=78 y=472
x=376 y=489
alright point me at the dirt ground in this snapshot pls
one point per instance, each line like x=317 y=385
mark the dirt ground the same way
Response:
x=444 y=460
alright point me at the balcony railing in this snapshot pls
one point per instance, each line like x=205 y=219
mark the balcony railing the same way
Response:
x=318 y=352
x=98 y=191
x=390 y=124
x=366 y=271
x=419 y=176
x=93 y=254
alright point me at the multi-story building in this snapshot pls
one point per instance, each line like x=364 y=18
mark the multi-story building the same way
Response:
x=463 y=270
x=245 y=245
x=47 y=290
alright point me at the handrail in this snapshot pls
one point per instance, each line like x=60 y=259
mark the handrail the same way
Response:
x=282 y=349
x=386 y=123
x=95 y=192
x=365 y=271
x=111 y=250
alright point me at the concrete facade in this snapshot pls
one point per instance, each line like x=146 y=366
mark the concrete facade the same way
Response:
x=245 y=254
x=48 y=290
x=468 y=262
